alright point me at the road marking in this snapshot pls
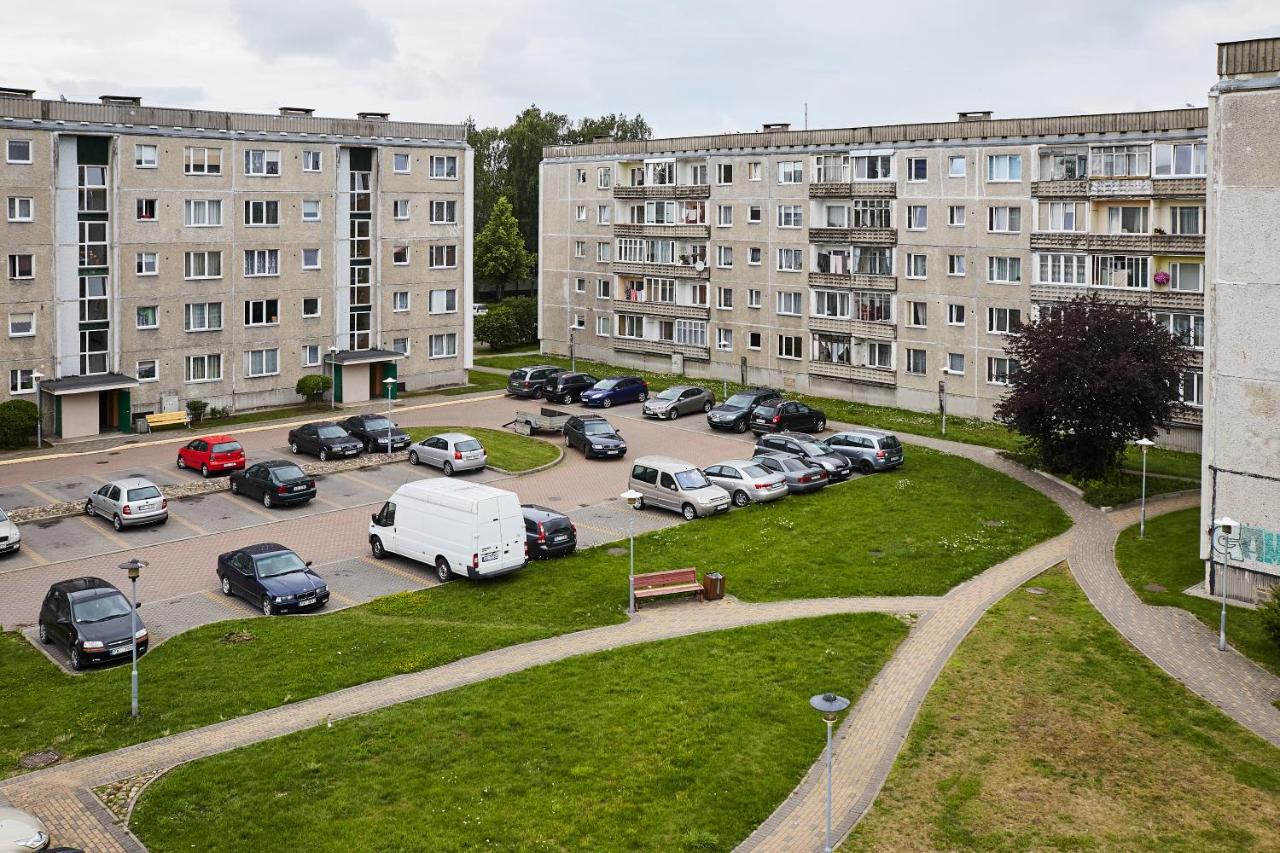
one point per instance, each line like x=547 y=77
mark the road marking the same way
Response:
x=607 y=530
x=395 y=570
x=96 y=524
x=328 y=503
x=190 y=525
x=360 y=477
x=252 y=506
x=348 y=601
x=226 y=602
x=48 y=497
x=36 y=557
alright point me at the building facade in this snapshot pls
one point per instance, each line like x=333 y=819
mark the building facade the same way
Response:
x=156 y=256
x=1241 y=478
x=880 y=264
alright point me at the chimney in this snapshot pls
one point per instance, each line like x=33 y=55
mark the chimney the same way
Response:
x=121 y=100
x=297 y=111
x=974 y=115
x=602 y=138
x=11 y=92
x=365 y=116
x=777 y=125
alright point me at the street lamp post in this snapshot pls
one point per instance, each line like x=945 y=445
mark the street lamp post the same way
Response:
x=390 y=383
x=133 y=567
x=573 y=352
x=829 y=705
x=1144 y=443
x=1226 y=534
x=333 y=379
x=36 y=376
x=632 y=497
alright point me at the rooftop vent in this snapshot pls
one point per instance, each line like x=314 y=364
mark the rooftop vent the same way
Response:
x=297 y=111
x=974 y=115
x=121 y=100
x=11 y=92
x=777 y=125
x=364 y=116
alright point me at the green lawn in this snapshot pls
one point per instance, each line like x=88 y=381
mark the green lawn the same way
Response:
x=506 y=450
x=911 y=532
x=1048 y=731
x=1169 y=557
x=684 y=744
x=254 y=417
x=477 y=380
x=1173 y=463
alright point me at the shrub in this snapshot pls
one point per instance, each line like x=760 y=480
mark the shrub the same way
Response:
x=498 y=327
x=1269 y=613
x=17 y=423
x=313 y=387
x=197 y=409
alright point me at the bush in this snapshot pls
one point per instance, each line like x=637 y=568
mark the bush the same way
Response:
x=17 y=423
x=509 y=323
x=1269 y=613
x=524 y=309
x=197 y=409
x=313 y=387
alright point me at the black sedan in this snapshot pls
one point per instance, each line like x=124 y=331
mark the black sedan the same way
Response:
x=735 y=413
x=271 y=577
x=376 y=432
x=326 y=440
x=548 y=533
x=277 y=482
x=92 y=620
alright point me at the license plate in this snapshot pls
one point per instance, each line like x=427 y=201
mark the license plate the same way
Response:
x=122 y=650
x=299 y=488
x=611 y=452
x=560 y=537
x=305 y=601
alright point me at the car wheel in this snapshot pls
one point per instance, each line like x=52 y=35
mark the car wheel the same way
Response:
x=267 y=609
x=226 y=586
x=865 y=466
x=675 y=413
x=537 y=393
x=571 y=397
x=375 y=545
x=324 y=455
x=607 y=402
x=740 y=498
x=266 y=499
x=204 y=471
x=293 y=447
x=448 y=469
x=182 y=463
x=640 y=502
x=822 y=425
x=76 y=663
x=740 y=426
x=117 y=523
x=43 y=633
x=413 y=457
x=688 y=512
x=88 y=508
x=235 y=486
x=644 y=395
x=443 y=572
x=706 y=407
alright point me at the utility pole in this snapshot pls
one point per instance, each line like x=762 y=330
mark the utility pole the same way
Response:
x=942 y=403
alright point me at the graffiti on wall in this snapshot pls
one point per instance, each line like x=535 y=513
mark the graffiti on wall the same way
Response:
x=1259 y=550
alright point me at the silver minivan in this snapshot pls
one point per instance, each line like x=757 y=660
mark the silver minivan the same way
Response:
x=128 y=503
x=676 y=485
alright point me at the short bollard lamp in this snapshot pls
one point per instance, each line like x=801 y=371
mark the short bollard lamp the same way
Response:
x=829 y=705
x=134 y=568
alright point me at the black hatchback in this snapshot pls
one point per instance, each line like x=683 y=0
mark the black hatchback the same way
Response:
x=787 y=416
x=91 y=620
x=548 y=533
x=271 y=577
x=568 y=387
x=276 y=482
x=376 y=432
x=735 y=413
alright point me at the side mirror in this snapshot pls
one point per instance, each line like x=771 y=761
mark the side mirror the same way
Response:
x=137 y=605
x=308 y=564
x=374 y=518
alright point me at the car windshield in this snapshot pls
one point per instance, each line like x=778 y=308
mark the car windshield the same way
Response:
x=331 y=432
x=670 y=394
x=469 y=444
x=597 y=428
x=766 y=411
x=286 y=472
x=794 y=465
x=605 y=384
x=3 y=517
x=739 y=401
x=692 y=479
x=814 y=448
x=281 y=563
x=890 y=442
x=378 y=425
x=226 y=447
x=754 y=471
x=100 y=609
x=143 y=493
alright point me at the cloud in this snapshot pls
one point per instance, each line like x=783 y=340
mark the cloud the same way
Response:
x=74 y=89
x=322 y=30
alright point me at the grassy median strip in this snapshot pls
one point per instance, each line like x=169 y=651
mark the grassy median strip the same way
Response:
x=1048 y=731
x=683 y=744
x=506 y=450
x=477 y=380
x=1167 y=561
x=919 y=530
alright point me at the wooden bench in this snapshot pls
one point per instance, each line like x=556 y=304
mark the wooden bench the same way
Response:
x=164 y=419
x=671 y=582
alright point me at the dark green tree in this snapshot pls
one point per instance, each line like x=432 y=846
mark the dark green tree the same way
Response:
x=17 y=423
x=500 y=253
x=524 y=140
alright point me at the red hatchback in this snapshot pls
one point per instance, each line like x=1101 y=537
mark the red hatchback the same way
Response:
x=212 y=453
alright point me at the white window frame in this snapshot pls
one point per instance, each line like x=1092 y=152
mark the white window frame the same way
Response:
x=1000 y=320
x=1004 y=214
x=148 y=264
x=319 y=307
x=954 y=220
x=270 y=157
x=604 y=214
x=140 y=162
x=790 y=216
x=31 y=332
x=604 y=252
x=952 y=160
x=212 y=210
x=264 y=312
x=792 y=255
x=603 y=325
x=791 y=347
x=273 y=352
x=401 y=157
x=256 y=210
x=312 y=161
x=724 y=215
x=604 y=177
x=724 y=298
x=917 y=217
x=880 y=355
x=912 y=163
x=399 y=301
x=403 y=350
x=155 y=310
x=755 y=256
x=755 y=170
x=724 y=174
x=910 y=271
x=579 y=248
x=155 y=370
x=1010 y=368
x=319 y=259
x=755 y=297
x=8 y=151
x=443 y=339
x=14 y=208
x=955 y=314
x=1010 y=264
x=579 y=285
x=1006 y=165
x=1175 y=276
x=580 y=213
x=206 y=359
x=303 y=207
x=951 y=362
x=307 y=359
x=1168 y=152
x=1197 y=385
x=724 y=339
x=195 y=160
x=22 y=380
x=791 y=171
x=444 y=211
x=909 y=366
x=438 y=256
x=401 y=255
x=790 y=303
x=604 y=288
x=444 y=167
x=914 y=306
x=724 y=257
x=187 y=314
x=270 y=261
x=956 y=265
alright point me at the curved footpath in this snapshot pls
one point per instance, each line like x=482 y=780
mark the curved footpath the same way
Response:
x=868 y=740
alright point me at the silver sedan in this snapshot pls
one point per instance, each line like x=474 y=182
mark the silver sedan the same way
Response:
x=128 y=503
x=801 y=476
x=450 y=452
x=678 y=400
x=747 y=481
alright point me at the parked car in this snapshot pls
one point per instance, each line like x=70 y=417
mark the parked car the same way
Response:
x=807 y=447
x=616 y=389
x=21 y=832
x=91 y=620
x=802 y=476
x=735 y=413
x=10 y=535
x=375 y=432
x=548 y=533
x=276 y=482
x=868 y=449
x=676 y=485
x=325 y=440
x=531 y=381
x=787 y=415
x=746 y=481
x=130 y=502
x=212 y=453
x=679 y=400
x=271 y=577
x=568 y=387
x=594 y=436
x=479 y=309
x=450 y=452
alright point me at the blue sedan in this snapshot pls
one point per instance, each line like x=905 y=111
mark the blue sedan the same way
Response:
x=616 y=389
x=272 y=577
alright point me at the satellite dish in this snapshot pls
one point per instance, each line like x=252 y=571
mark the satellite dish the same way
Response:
x=699 y=266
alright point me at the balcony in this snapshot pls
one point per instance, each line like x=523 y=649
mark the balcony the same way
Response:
x=1179 y=188
x=1188 y=415
x=860 y=236
x=662 y=309
x=701 y=232
x=664 y=191
x=854 y=373
x=854 y=328
x=1177 y=244
x=646 y=346
x=1177 y=300
x=1119 y=188
x=686 y=271
x=1068 y=241
x=1136 y=296
x=854 y=189
x=853 y=281
x=1141 y=244
x=1074 y=188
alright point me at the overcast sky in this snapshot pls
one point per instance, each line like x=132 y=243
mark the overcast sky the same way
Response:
x=688 y=67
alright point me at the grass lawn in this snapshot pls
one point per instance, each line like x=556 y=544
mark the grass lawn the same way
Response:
x=1048 y=731
x=909 y=532
x=477 y=380
x=210 y=424
x=1169 y=557
x=1160 y=460
x=683 y=744
x=506 y=450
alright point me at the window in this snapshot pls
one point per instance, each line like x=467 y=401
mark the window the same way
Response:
x=311 y=161
x=753 y=340
x=18 y=151
x=789 y=346
x=917 y=217
x=311 y=259
x=917 y=169
x=24 y=325
x=262 y=213
x=790 y=216
x=261 y=312
x=724 y=257
x=791 y=171
x=310 y=210
x=310 y=355
x=876 y=167
x=443 y=301
x=204 y=368
x=579 y=248
x=916 y=362
x=147 y=317
x=581 y=176
x=724 y=173
x=604 y=252
x=1127 y=220
x=1062 y=216
x=146 y=210
x=204 y=212
x=724 y=339
x=872 y=213
x=724 y=215
x=955 y=315
x=604 y=214
x=1003 y=270
x=444 y=257
x=1184 y=220
x=580 y=285
x=444 y=346
x=691 y=333
x=1121 y=271
x=1054 y=268
x=261 y=162
x=580 y=213
x=753 y=171
x=604 y=177
x=1180 y=160
x=1004 y=168
x=955 y=215
x=880 y=355
x=401 y=164
x=202 y=265
x=399 y=255
x=754 y=298
x=1004 y=321
x=831 y=349
x=630 y=326
x=837 y=216
x=203 y=317
x=400 y=300
x=147 y=370
x=724 y=298
x=918 y=314
x=698 y=174
x=21 y=209
x=830 y=303
x=1120 y=161
x=446 y=168
x=148 y=262
x=400 y=345
x=999 y=370
x=955 y=363
x=22 y=381
x=831 y=169
x=955 y=166
x=1004 y=220
x=1191 y=388
x=753 y=256
x=955 y=265
x=442 y=212
x=1063 y=164
x=790 y=260
x=1188 y=328
x=917 y=266
x=262 y=362
x=602 y=326
x=1186 y=276
x=145 y=156
x=790 y=303
x=258 y=262
x=310 y=306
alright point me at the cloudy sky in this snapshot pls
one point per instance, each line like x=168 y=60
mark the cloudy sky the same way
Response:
x=697 y=66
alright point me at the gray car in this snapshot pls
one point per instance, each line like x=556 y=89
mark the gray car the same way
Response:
x=10 y=535
x=801 y=476
x=678 y=400
x=747 y=481
x=811 y=450
x=450 y=452
x=129 y=502
x=868 y=449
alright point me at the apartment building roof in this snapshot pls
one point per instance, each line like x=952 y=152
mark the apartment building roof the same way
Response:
x=1255 y=56
x=125 y=113
x=975 y=129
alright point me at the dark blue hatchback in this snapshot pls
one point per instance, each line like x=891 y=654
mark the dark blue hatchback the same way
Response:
x=616 y=389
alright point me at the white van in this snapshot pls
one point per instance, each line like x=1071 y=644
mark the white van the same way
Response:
x=459 y=527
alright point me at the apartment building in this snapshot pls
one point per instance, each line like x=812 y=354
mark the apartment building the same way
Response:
x=880 y=264
x=155 y=256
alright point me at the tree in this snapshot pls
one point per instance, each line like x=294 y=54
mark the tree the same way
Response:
x=17 y=423
x=622 y=128
x=524 y=139
x=490 y=171
x=1269 y=615
x=1090 y=378
x=313 y=387
x=497 y=327
x=500 y=253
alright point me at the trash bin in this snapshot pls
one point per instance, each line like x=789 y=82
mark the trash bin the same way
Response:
x=712 y=586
